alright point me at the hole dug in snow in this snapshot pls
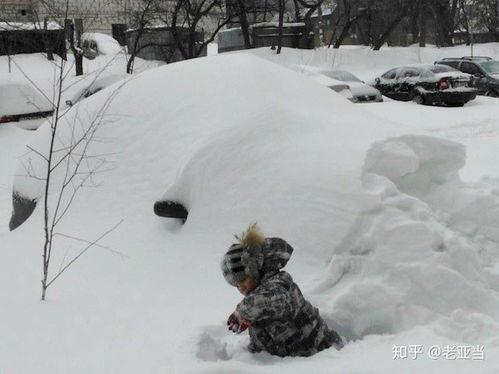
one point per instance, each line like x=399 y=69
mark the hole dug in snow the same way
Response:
x=211 y=346
x=424 y=250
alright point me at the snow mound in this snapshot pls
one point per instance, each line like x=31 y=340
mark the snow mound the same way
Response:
x=107 y=45
x=411 y=258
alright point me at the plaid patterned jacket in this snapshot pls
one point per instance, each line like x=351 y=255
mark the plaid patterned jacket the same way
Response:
x=281 y=321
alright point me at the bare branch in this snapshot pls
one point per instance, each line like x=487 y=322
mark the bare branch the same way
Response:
x=90 y=245
x=89 y=242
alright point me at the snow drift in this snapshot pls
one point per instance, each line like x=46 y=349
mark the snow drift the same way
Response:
x=416 y=255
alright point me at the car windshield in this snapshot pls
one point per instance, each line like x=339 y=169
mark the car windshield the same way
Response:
x=343 y=76
x=390 y=74
x=442 y=69
x=491 y=67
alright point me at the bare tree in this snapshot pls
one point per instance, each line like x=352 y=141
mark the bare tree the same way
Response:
x=444 y=14
x=143 y=20
x=281 y=9
x=241 y=11
x=65 y=168
x=349 y=13
x=185 y=20
x=485 y=13
x=312 y=7
x=381 y=18
x=78 y=167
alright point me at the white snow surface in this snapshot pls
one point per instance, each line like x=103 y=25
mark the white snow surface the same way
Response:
x=392 y=209
x=21 y=98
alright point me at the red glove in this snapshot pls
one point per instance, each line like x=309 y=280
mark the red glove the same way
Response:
x=236 y=324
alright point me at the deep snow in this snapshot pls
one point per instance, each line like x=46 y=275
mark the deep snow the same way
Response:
x=394 y=234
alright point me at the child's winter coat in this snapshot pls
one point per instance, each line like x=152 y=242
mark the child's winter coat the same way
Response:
x=281 y=321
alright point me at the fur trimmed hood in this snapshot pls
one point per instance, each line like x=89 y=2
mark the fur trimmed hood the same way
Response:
x=254 y=256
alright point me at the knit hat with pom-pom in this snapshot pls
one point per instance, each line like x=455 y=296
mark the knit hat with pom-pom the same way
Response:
x=244 y=259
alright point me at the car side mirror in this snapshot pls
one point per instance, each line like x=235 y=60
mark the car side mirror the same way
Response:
x=377 y=80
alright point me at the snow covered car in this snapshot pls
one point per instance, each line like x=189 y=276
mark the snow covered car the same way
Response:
x=362 y=93
x=484 y=70
x=95 y=44
x=427 y=84
x=336 y=85
x=20 y=102
x=96 y=85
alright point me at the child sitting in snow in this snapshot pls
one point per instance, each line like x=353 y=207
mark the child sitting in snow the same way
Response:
x=280 y=320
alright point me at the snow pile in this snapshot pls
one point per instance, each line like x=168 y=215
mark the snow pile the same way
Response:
x=422 y=252
x=226 y=140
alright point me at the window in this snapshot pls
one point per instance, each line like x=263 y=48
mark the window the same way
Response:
x=390 y=74
x=410 y=73
x=453 y=64
x=23 y=12
x=470 y=68
x=445 y=66
x=491 y=67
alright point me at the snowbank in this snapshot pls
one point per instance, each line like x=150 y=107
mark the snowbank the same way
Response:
x=106 y=44
x=411 y=257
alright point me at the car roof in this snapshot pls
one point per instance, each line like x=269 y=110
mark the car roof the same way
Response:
x=413 y=66
x=467 y=58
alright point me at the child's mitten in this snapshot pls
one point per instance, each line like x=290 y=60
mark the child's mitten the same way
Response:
x=236 y=324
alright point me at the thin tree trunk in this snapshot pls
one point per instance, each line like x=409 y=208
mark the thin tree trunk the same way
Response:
x=243 y=19
x=76 y=52
x=382 y=39
x=48 y=45
x=344 y=31
x=422 y=23
x=280 y=27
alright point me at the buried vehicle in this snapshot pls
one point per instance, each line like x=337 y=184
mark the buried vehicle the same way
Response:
x=20 y=102
x=95 y=86
x=361 y=92
x=427 y=84
x=336 y=85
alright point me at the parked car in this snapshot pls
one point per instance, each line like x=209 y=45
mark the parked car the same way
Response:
x=484 y=70
x=20 y=101
x=94 y=44
x=362 y=93
x=427 y=84
x=336 y=85
x=97 y=85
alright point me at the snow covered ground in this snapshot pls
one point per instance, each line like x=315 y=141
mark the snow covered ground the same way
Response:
x=392 y=209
